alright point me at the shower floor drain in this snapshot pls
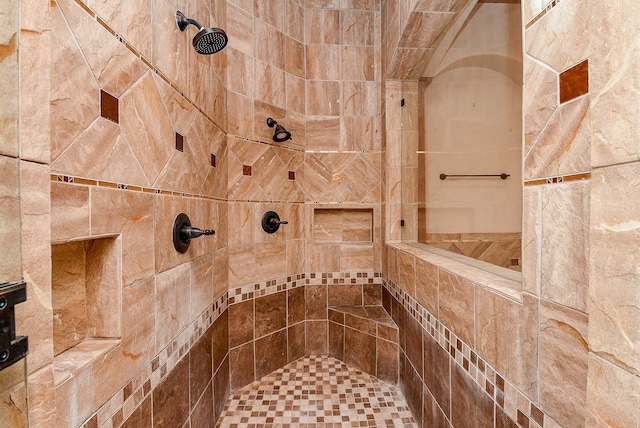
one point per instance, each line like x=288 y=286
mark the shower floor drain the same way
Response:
x=319 y=392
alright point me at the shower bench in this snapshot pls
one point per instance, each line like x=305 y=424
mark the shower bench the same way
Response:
x=365 y=337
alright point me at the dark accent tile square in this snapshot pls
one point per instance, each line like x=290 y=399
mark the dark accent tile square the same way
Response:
x=179 y=142
x=574 y=82
x=246 y=169
x=109 y=106
x=523 y=420
x=537 y=415
x=292 y=175
x=213 y=160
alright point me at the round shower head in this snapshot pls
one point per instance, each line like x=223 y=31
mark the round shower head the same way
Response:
x=210 y=40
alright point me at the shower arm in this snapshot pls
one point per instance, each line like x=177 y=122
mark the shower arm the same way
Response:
x=183 y=22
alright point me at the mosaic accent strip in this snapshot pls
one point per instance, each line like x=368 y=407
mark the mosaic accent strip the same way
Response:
x=124 y=402
x=558 y=179
x=544 y=11
x=514 y=403
x=259 y=289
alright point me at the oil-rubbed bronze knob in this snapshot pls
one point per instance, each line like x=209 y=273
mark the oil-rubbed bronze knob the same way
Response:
x=183 y=232
x=271 y=222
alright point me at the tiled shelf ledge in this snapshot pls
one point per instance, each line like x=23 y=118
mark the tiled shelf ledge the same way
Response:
x=506 y=282
x=73 y=379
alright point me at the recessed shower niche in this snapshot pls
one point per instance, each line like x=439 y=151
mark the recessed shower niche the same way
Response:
x=86 y=291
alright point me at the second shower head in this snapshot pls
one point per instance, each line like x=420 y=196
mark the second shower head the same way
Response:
x=208 y=40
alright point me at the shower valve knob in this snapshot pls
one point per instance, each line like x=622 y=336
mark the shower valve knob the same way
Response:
x=183 y=232
x=271 y=222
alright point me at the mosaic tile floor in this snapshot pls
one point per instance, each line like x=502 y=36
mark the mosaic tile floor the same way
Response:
x=318 y=392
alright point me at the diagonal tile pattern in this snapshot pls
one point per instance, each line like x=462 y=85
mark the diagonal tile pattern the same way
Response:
x=318 y=391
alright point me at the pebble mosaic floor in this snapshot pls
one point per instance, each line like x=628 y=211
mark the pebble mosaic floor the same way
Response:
x=317 y=392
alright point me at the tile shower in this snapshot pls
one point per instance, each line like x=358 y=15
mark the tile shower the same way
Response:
x=140 y=128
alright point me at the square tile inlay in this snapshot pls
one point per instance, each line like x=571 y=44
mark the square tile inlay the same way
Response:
x=574 y=82
x=179 y=142
x=246 y=169
x=108 y=106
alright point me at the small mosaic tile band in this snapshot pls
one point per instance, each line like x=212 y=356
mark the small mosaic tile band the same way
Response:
x=558 y=179
x=514 y=403
x=134 y=188
x=124 y=402
x=259 y=289
x=544 y=11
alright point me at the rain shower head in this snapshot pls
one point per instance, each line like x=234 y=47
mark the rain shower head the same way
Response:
x=208 y=40
x=280 y=133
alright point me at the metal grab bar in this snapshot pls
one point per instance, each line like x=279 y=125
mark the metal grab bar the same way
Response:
x=503 y=176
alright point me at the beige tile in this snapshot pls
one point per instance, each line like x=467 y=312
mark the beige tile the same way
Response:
x=35 y=85
x=68 y=282
x=614 y=62
x=614 y=321
x=323 y=133
x=531 y=239
x=324 y=258
x=69 y=211
x=34 y=317
x=11 y=264
x=295 y=59
x=322 y=26
x=138 y=322
x=135 y=224
x=103 y=269
x=166 y=209
x=72 y=111
x=456 y=305
x=269 y=84
x=564 y=146
x=423 y=28
x=295 y=19
x=540 y=98
x=357 y=63
x=172 y=306
x=296 y=256
x=558 y=39
x=565 y=273
x=242 y=265
x=427 y=286
x=358 y=257
x=115 y=67
x=323 y=98
x=131 y=21
x=240 y=114
x=357 y=27
x=109 y=374
x=406 y=270
x=296 y=98
x=102 y=152
x=269 y=44
x=240 y=29
x=145 y=124
x=563 y=353
x=323 y=62
x=271 y=260
x=221 y=272
x=42 y=408
x=612 y=397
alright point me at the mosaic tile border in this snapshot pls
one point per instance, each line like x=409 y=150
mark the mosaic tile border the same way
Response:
x=558 y=179
x=259 y=289
x=515 y=404
x=544 y=11
x=69 y=179
x=125 y=401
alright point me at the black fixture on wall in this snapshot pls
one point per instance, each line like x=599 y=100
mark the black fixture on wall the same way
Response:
x=12 y=347
x=208 y=40
x=280 y=133
x=183 y=232
x=271 y=222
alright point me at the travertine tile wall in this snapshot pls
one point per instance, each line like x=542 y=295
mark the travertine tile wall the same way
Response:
x=579 y=148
